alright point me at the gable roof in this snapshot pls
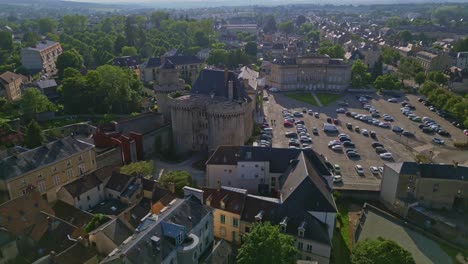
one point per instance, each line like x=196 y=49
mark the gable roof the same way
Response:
x=22 y=163
x=71 y=214
x=44 y=84
x=233 y=200
x=117 y=231
x=118 y=181
x=82 y=185
x=213 y=81
x=174 y=60
x=255 y=205
x=126 y=61
x=8 y=77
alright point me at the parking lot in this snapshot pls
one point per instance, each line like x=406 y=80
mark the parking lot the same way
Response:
x=402 y=148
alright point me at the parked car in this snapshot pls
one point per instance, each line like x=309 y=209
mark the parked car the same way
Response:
x=380 y=150
x=381 y=170
x=438 y=141
x=357 y=129
x=349 y=144
x=298 y=114
x=265 y=98
x=359 y=169
x=353 y=154
x=291 y=134
x=387 y=155
x=374 y=170
x=397 y=129
x=300 y=122
x=349 y=126
x=317 y=115
x=315 y=131
x=329 y=120
x=310 y=112
x=336 y=121
x=288 y=124
x=407 y=134
x=376 y=144
x=341 y=110
x=337 y=169
x=337 y=147
x=365 y=132
x=373 y=134
x=337 y=179
x=444 y=133
x=392 y=100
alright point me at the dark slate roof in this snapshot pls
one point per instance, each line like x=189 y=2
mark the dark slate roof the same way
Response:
x=285 y=61
x=212 y=81
x=279 y=158
x=314 y=229
x=431 y=171
x=233 y=200
x=255 y=205
x=153 y=62
x=148 y=185
x=139 y=211
x=409 y=168
x=71 y=214
x=44 y=84
x=168 y=64
x=117 y=231
x=175 y=60
x=82 y=185
x=118 y=181
x=142 y=123
x=76 y=254
x=22 y=163
x=158 y=193
x=127 y=61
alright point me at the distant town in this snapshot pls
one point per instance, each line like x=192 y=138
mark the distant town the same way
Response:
x=299 y=133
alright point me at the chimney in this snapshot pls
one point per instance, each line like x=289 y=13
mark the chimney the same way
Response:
x=230 y=90
x=194 y=192
x=171 y=187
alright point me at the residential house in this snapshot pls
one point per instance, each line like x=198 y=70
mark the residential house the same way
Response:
x=130 y=62
x=462 y=60
x=181 y=233
x=187 y=65
x=137 y=137
x=48 y=88
x=10 y=85
x=41 y=57
x=433 y=62
x=161 y=198
x=127 y=189
x=8 y=246
x=47 y=167
x=203 y=54
x=83 y=193
x=109 y=236
x=228 y=204
x=434 y=196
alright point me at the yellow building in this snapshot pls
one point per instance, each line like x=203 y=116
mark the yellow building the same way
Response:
x=10 y=85
x=47 y=167
x=228 y=204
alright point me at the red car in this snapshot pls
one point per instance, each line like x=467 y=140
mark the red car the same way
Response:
x=264 y=125
x=348 y=113
x=288 y=124
x=336 y=121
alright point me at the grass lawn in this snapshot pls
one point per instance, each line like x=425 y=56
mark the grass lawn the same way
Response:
x=303 y=97
x=452 y=252
x=327 y=99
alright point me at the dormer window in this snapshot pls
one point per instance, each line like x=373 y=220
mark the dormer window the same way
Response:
x=284 y=224
x=223 y=202
x=259 y=216
x=301 y=229
x=208 y=201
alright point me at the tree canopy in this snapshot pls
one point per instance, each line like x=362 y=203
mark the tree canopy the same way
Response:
x=179 y=178
x=359 y=75
x=380 y=251
x=334 y=51
x=387 y=82
x=286 y=27
x=143 y=168
x=34 y=135
x=33 y=102
x=69 y=59
x=269 y=24
x=265 y=244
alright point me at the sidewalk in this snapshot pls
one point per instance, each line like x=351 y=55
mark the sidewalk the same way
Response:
x=316 y=99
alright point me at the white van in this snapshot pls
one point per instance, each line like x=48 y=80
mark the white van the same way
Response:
x=329 y=128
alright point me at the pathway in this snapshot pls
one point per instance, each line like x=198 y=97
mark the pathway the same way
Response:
x=317 y=99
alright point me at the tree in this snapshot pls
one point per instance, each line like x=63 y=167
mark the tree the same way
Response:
x=334 y=51
x=461 y=45
x=437 y=77
x=378 y=68
x=180 y=179
x=408 y=68
x=300 y=20
x=74 y=23
x=6 y=41
x=380 y=251
x=217 y=57
x=405 y=36
x=251 y=48
x=420 y=78
x=69 y=59
x=265 y=244
x=47 y=25
x=390 y=56
x=144 y=168
x=387 y=82
x=33 y=102
x=359 y=75
x=34 y=135
x=269 y=24
x=201 y=39
x=286 y=27
x=30 y=39
x=129 y=51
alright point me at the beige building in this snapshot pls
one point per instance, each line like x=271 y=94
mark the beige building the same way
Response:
x=433 y=62
x=313 y=73
x=47 y=167
x=188 y=67
x=10 y=85
x=219 y=110
x=42 y=57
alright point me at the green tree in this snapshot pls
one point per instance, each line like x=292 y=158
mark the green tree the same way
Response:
x=265 y=244
x=334 y=51
x=69 y=59
x=217 y=57
x=129 y=51
x=405 y=36
x=420 y=78
x=33 y=102
x=34 y=135
x=30 y=39
x=387 y=82
x=6 y=41
x=359 y=75
x=143 y=168
x=251 y=48
x=201 y=39
x=380 y=251
x=408 y=68
x=286 y=27
x=437 y=77
x=269 y=25
x=74 y=23
x=300 y=20
x=461 y=45
x=378 y=68
x=428 y=87
x=180 y=179
x=47 y=25
x=390 y=56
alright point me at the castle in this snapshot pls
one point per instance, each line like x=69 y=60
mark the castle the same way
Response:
x=219 y=109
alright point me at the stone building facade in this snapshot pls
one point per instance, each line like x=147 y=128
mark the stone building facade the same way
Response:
x=10 y=85
x=217 y=111
x=312 y=73
x=42 y=57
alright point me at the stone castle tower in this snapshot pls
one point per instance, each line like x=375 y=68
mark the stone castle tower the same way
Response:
x=168 y=83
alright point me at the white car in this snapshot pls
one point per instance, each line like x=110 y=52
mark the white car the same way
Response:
x=337 y=178
x=340 y=110
x=359 y=169
x=386 y=155
x=337 y=147
x=374 y=170
x=392 y=100
x=381 y=170
x=438 y=141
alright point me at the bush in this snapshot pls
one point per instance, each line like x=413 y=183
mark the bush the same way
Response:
x=462 y=145
x=97 y=220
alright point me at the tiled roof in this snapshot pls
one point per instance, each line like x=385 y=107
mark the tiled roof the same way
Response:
x=175 y=60
x=117 y=231
x=139 y=211
x=126 y=61
x=71 y=214
x=27 y=161
x=9 y=76
x=432 y=171
x=118 y=181
x=148 y=185
x=82 y=185
x=44 y=84
x=76 y=254
x=233 y=201
x=212 y=81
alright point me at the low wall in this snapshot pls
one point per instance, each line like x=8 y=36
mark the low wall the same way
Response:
x=359 y=194
x=109 y=158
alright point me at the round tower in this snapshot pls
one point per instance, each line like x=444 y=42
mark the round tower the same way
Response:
x=168 y=82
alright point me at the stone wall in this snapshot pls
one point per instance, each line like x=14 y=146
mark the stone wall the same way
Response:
x=110 y=157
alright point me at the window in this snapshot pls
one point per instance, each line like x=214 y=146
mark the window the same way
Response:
x=41 y=186
x=309 y=248
x=222 y=231
x=234 y=236
x=82 y=169
x=435 y=187
x=247 y=229
x=39 y=176
x=99 y=187
x=80 y=158
x=235 y=222
x=70 y=173
x=301 y=233
x=56 y=180
x=69 y=163
x=222 y=219
x=300 y=246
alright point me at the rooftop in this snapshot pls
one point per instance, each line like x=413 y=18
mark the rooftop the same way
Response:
x=82 y=185
x=42 y=45
x=432 y=171
x=232 y=201
x=22 y=163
